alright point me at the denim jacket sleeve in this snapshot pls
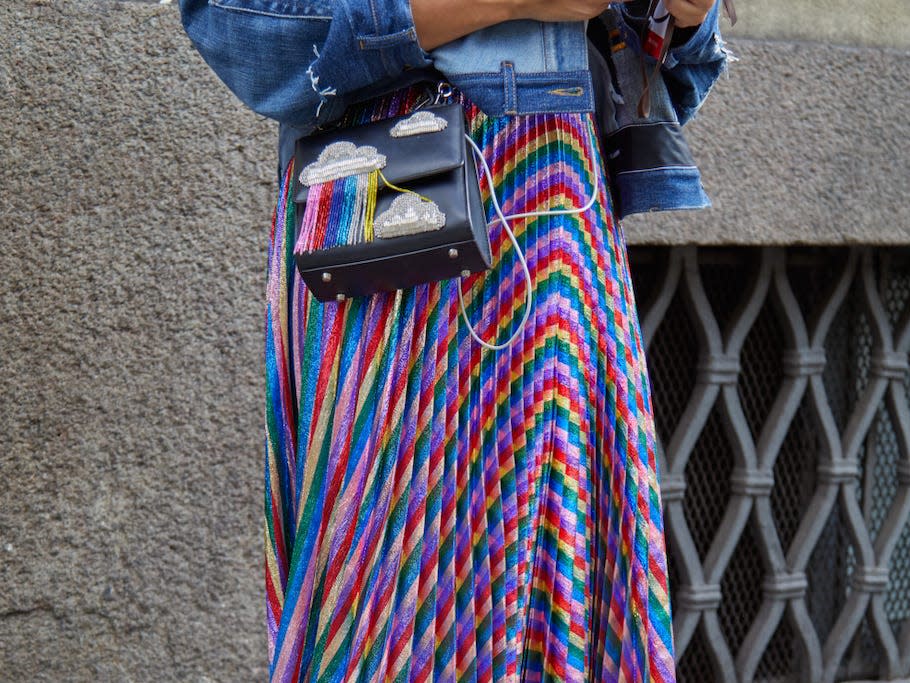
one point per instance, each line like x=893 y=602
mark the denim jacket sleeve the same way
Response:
x=691 y=69
x=296 y=60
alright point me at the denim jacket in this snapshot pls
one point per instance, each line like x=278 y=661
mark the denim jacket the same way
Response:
x=303 y=62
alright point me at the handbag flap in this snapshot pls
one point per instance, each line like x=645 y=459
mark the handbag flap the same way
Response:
x=408 y=157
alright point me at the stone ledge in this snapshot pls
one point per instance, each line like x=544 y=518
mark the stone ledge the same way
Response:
x=882 y=23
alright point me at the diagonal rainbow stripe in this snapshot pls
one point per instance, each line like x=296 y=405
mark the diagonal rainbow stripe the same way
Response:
x=436 y=512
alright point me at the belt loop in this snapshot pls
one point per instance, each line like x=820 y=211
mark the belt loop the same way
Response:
x=509 y=89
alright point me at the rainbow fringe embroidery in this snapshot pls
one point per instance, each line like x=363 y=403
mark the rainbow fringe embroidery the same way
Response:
x=436 y=512
x=339 y=212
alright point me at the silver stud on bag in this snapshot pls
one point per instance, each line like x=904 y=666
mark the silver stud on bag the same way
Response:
x=409 y=215
x=326 y=277
x=340 y=297
x=465 y=273
x=340 y=160
x=453 y=254
x=418 y=124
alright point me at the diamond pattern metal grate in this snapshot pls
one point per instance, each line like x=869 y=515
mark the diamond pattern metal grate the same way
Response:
x=782 y=402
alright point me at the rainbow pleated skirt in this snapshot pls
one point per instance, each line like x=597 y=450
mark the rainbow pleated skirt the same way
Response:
x=440 y=512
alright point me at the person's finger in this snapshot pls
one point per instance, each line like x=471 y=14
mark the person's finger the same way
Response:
x=682 y=10
x=686 y=12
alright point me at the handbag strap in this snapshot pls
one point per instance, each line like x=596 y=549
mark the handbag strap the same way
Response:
x=529 y=283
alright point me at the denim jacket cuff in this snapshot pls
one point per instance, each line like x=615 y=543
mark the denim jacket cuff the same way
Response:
x=703 y=46
x=368 y=42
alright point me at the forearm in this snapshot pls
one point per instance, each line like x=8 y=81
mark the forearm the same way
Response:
x=441 y=21
x=438 y=22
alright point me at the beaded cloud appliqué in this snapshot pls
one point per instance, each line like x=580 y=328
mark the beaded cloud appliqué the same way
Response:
x=409 y=215
x=417 y=124
x=342 y=159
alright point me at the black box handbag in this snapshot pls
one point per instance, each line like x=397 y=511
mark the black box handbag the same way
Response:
x=388 y=205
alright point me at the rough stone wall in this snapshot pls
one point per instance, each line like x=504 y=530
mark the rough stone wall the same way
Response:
x=134 y=207
x=133 y=224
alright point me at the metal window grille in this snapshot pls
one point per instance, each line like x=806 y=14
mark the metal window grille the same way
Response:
x=780 y=387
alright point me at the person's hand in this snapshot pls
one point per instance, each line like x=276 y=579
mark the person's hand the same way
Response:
x=688 y=12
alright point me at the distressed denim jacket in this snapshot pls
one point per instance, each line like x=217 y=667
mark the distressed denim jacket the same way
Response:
x=303 y=62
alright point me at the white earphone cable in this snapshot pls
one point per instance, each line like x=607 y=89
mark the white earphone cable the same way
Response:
x=478 y=153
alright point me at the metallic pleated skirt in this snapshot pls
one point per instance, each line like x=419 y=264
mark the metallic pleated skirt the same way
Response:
x=435 y=511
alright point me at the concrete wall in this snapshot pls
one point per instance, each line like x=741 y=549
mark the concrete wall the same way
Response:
x=135 y=197
x=133 y=221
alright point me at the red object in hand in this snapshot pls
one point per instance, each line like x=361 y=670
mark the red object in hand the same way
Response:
x=657 y=31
